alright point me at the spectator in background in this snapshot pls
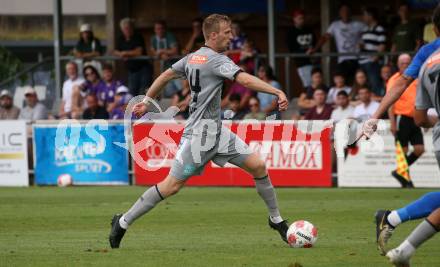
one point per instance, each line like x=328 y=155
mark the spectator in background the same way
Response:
x=94 y=110
x=121 y=101
x=407 y=35
x=92 y=85
x=268 y=102
x=339 y=85
x=428 y=32
x=7 y=109
x=385 y=74
x=72 y=80
x=88 y=45
x=196 y=40
x=237 y=42
x=131 y=44
x=247 y=56
x=347 y=35
x=321 y=111
x=234 y=112
x=255 y=112
x=305 y=100
x=106 y=93
x=182 y=99
x=301 y=39
x=366 y=108
x=343 y=108
x=33 y=110
x=373 y=41
x=360 y=81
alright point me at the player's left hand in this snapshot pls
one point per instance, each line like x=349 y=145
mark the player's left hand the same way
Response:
x=283 y=103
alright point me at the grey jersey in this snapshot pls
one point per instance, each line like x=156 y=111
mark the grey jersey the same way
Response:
x=205 y=71
x=428 y=90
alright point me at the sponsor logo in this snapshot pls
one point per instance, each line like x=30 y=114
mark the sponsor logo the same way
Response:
x=198 y=59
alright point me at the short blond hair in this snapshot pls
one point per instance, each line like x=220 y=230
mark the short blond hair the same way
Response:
x=212 y=24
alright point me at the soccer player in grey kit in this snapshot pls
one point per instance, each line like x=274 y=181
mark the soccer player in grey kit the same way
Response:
x=204 y=137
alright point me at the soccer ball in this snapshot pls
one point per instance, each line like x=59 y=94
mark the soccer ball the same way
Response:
x=64 y=180
x=302 y=234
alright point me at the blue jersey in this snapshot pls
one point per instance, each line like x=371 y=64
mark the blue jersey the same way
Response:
x=420 y=58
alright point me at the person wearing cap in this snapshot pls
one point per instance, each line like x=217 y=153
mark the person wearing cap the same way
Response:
x=7 y=109
x=122 y=102
x=300 y=39
x=33 y=110
x=120 y=92
x=88 y=45
x=129 y=45
x=72 y=80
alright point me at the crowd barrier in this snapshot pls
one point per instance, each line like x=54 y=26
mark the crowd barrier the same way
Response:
x=97 y=153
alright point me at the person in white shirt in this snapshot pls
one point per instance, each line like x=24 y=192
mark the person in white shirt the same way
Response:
x=347 y=35
x=367 y=107
x=72 y=81
x=344 y=109
x=339 y=81
x=33 y=110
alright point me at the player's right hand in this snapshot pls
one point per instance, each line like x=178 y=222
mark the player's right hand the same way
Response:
x=140 y=109
x=369 y=127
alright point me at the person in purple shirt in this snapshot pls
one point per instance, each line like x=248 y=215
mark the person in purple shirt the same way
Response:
x=410 y=74
x=121 y=104
x=106 y=94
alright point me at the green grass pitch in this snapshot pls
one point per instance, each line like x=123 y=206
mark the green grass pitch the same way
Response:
x=51 y=226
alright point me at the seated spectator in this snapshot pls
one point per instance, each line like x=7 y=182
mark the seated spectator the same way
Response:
x=7 y=109
x=88 y=45
x=121 y=101
x=236 y=88
x=237 y=42
x=360 y=81
x=196 y=40
x=407 y=35
x=92 y=85
x=254 y=110
x=72 y=80
x=305 y=100
x=268 y=102
x=234 y=112
x=33 y=110
x=94 y=110
x=131 y=44
x=181 y=100
x=301 y=39
x=366 y=108
x=120 y=92
x=373 y=41
x=247 y=56
x=343 y=108
x=106 y=94
x=321 y=111
x=385 y=74
x=339 y=81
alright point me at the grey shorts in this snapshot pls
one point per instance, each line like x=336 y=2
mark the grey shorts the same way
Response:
x=195 y=152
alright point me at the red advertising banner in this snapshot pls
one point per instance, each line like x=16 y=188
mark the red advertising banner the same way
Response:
x=293 y=157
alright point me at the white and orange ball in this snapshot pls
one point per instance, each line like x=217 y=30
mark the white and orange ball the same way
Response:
x=302 y=234
x=64 y=180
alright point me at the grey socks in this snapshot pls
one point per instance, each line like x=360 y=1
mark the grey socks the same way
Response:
x=424 y=231
x=267 y=193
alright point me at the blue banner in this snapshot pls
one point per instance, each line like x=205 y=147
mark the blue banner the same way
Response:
x=87 y=153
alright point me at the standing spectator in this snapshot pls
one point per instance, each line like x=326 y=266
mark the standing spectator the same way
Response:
x=94 y=110
x=366 y=108
x=129 y=45
x=163 y=43
x=305 y=100
x=300 y=39
x=33 y=110
x=247 y=56
x=343 y=108
x=106 y=93
x=234 y=112
x=373 y=41
x=181 y=100
x=360 y=81
x=255 y=112
x=196 y=40
x=339 y=85
x=347 y=35
x=72 y=80
x=7 y=109
x=268 y=102
x=237 y=42
x=407 y=35
x=88 y=45
x=321 y=111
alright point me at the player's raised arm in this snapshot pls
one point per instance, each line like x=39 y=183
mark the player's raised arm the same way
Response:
x=254 y=83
